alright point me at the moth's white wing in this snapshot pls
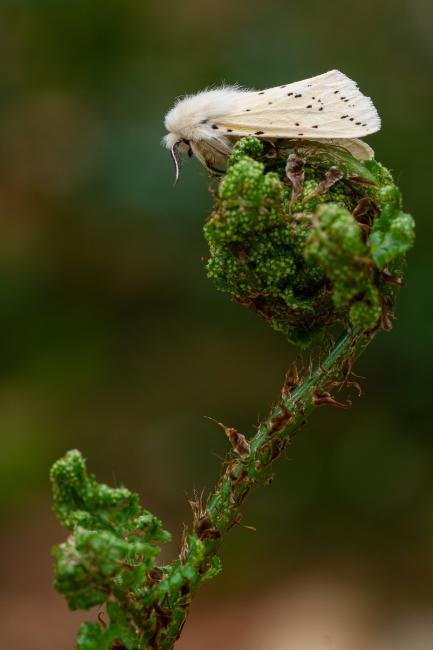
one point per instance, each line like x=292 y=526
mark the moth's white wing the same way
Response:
x=359 y=149
x=327 y=106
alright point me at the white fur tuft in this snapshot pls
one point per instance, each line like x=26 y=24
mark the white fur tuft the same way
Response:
x=192 y=117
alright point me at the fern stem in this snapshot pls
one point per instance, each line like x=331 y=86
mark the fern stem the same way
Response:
x=242 y=472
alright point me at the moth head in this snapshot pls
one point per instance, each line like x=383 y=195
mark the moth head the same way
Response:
x=192 y=129
x=211 y=153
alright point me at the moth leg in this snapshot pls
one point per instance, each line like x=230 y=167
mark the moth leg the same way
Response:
x=296 y=175
x=213 y=171
x=271 y=150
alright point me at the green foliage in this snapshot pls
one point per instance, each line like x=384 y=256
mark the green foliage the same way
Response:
x=307 y=262
x=80 y=501
x=336 y=245
x=392 y=233
x=109 y=559
x=109 y=555
x=92 y=637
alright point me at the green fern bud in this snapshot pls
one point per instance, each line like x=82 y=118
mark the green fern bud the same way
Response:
x=307 y=252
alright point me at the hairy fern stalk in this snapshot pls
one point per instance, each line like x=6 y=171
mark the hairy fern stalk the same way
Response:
x=314 y=242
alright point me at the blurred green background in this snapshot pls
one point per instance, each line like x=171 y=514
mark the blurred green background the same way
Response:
x=113 y=341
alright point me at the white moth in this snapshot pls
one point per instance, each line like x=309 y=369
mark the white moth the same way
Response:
x=327 y=108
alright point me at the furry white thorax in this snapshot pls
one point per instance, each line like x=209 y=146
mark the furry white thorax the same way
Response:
x=191 y=118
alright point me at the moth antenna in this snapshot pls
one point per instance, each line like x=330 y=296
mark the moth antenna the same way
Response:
x=176 y=160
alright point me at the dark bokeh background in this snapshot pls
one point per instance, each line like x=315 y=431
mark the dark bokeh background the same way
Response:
x=113 y=341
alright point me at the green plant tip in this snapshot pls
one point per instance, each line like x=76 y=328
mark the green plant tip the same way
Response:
x=311 y=260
